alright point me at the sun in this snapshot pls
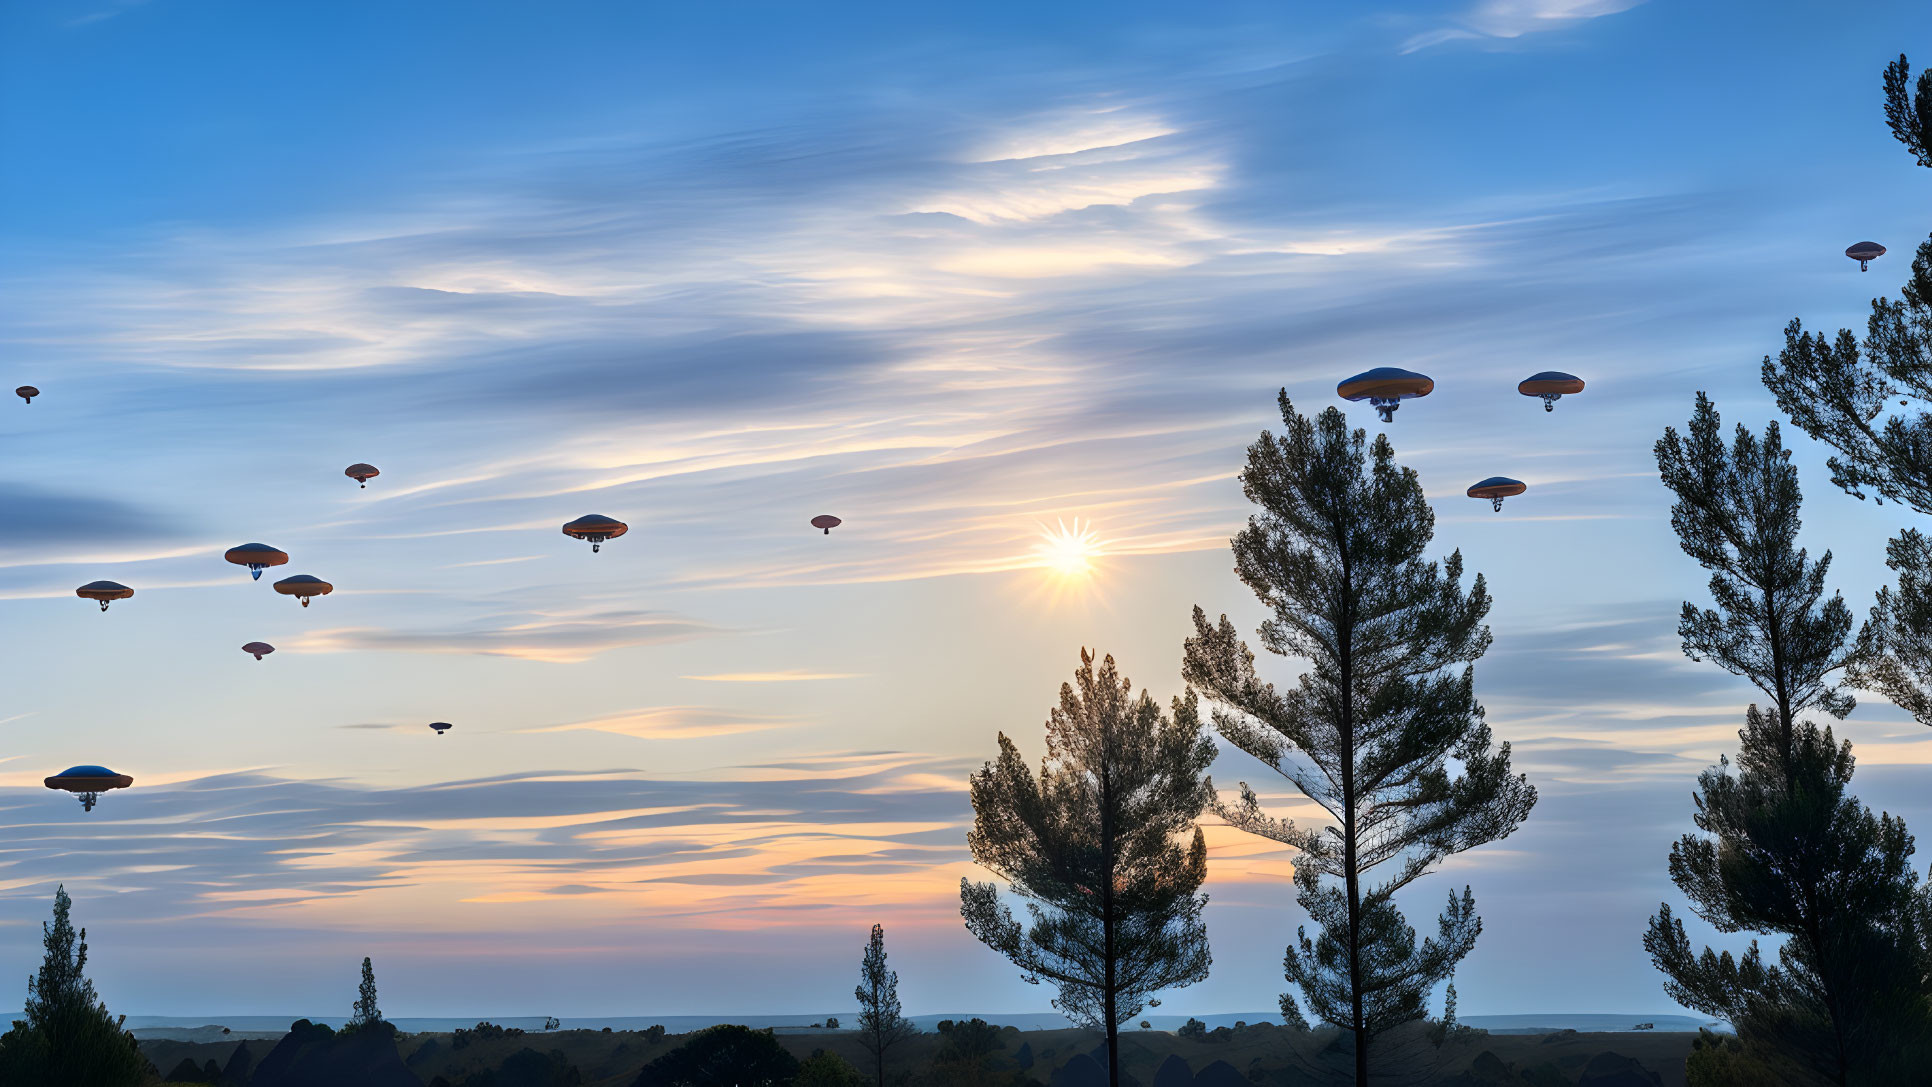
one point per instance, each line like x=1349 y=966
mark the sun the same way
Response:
x=1069 y=552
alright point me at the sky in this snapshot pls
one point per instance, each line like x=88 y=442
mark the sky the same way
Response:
x=955 y=276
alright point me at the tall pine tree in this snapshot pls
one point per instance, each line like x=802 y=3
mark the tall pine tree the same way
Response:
x=1784 y=849
x=1335 y=552
x=1090 y=844
x=881 y=1026
x=68 y=1037
x=366 y=1016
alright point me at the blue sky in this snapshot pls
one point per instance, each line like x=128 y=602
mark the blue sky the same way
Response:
x=950 y=275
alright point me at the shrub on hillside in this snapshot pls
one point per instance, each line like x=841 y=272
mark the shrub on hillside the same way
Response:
x=723 y=1056
x=483 y=1032
x=529 y=1068
x=967 y=1055
x=825 y=1069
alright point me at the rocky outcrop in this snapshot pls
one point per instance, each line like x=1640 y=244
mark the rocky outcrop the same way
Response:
x=1081 y=1071
x=1174 y=1072
x=240 y=1068
x=1220 y=1074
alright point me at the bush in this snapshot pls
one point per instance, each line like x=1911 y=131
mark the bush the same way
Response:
x=483 y=1032
x=529 y=1068
x=965 y=1057
x=723 y=1056
x=823 y=1069
x=1193 y=1028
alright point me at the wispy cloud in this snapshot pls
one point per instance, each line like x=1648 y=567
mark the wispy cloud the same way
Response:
x=559 y=638
x=676 y=723
x=790 y=675
x=1515 y=18
x=117 y=8
x=943 y=344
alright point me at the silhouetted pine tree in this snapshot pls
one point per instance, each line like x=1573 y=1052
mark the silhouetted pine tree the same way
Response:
x=1335 y=552
x=1784 y=848
x=1090 y=843
x=68 y=1037
x=366 y=1014
x=881 y=1026
x=1909 y=112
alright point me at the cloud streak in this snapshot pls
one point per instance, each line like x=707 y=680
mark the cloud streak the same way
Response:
x=556 y=639
x=1509 y=19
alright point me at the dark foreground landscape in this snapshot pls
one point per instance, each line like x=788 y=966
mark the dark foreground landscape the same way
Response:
x=960 y=1054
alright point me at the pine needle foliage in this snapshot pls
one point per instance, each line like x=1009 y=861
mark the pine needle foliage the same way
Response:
x=366 y=1015
x=1841 y=392
x=1091 y=845
x=1335 y=552
x=1737 y=514
x=1908 y=109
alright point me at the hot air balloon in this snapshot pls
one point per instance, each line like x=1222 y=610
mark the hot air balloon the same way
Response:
x=441 y=727
x=27 y=393
x=89 y=782
x=1865 y=251
x=827 y=522
x=260 y=649
x=103 y=591
x=1497 y=488
x=304 y=586
x=361 y=473
x=596 y=528
x=1551 y=385
x=1385 y=387
x=256 y=556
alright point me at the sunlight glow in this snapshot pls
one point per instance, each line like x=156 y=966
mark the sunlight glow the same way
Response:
x=1069 y=552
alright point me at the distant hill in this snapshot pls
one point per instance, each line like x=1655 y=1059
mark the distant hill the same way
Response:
x=202 y=1028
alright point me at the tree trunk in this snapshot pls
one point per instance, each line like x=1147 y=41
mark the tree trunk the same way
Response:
x=1345 y=632
x=1107 y=912
x=1807 y=906
x=1780 y=690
